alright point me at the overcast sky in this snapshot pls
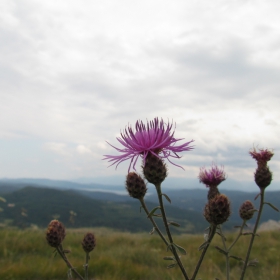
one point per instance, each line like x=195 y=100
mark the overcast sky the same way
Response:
x=73 y=74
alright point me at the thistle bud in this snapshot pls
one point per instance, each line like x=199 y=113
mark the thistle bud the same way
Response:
x=89 y=242
x=246 y=210
x=154 y=169
x=55 y=233
x=212 y=192
x=217 y=210
x=263 y=177
x=135 y=185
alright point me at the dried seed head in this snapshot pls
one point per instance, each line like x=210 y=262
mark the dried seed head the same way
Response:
x=55 y=233
x=246 y=210
x=135 y=185
x=217 y=210
x=154 y=169
x=263 y=176
x=89 y=242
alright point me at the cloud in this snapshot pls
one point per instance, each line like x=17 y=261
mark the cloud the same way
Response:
x=74 y=76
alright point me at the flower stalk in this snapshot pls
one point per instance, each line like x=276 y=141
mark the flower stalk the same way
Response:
x=172 y=247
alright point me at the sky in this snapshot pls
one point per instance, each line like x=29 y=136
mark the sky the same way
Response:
x=74 y=74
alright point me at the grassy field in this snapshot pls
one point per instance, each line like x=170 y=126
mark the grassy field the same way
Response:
x=25 y=255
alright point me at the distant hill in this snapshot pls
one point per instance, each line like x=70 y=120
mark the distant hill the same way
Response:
x=81 y=196
x=31 y=205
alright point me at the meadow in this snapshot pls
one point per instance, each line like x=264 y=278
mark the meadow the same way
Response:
x=25 y=255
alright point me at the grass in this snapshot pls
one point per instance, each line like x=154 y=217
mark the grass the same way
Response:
x=25 y=255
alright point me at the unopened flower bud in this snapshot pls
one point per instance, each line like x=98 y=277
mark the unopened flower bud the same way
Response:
x=246 y=210
x=217 y=210
x=135 y=185
x=154 y=169
x=263 y=177
x=55 y=233
x=89 y=242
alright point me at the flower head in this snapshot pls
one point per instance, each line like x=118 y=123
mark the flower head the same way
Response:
x=212 y=177
x=55 y=233
x=155 y=137
x=262 y=156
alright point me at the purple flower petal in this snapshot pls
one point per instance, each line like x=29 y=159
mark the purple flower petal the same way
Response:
x=155 y=137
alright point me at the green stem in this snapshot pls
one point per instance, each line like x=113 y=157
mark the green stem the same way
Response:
x=174 y=250
x=239 y=234
x=86 y=266
x=253 y=235
x=153 y=222
x=226 y=250
x=62 y=254
x=212 y=233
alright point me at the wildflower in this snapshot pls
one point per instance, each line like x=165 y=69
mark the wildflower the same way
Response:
x=263 y=176
x=213 y=177
x=89 y=242
x=135 y=185
x=217 y=210
x=262 y=157
x=55 y=233
x=155 y=138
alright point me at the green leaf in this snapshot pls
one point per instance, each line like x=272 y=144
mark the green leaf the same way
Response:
x=169 y=258
x=272 y=206
x=153 y=211
x=180 y=249
x=221 y=250
x=203 y=245
x=157 y=215
x=2 y=199
x=174 y=224
x=167 y=197
x=250 y=233
x=236 y=258
x=172 y=265
x=253 y=262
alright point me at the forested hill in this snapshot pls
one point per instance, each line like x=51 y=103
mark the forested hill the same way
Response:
x=37 y=206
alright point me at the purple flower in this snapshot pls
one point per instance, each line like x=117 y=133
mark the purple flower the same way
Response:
x=213 y=177
x=155 y=137
x=262 y=157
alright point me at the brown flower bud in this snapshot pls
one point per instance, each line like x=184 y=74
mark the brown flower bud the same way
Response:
x=263 y=177
x=89 y=242
x=213 y=191
x=154 y=169
x=55 y=233
x=246 y=210
x=217 y=210
x=135 y=185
